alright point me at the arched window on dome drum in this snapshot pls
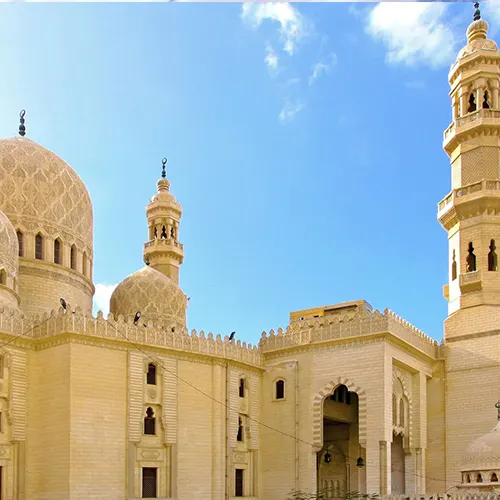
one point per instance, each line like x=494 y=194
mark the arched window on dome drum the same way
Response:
x=468 y=478
x=20 y=241
x=150 y=422
x=72 y=257
x=39 y=247
x=3 y=277
x=494 y=478
x=84 y=264
x=479 y=478
x=151 y=375
x=57 y=251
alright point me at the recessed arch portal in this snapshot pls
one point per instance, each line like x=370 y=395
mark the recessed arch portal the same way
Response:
x=317 y=407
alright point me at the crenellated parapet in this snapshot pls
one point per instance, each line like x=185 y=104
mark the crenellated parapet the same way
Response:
x=358 y=325
x=62 y=322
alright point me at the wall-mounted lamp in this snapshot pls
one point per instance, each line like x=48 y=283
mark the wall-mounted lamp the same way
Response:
x=328 y=458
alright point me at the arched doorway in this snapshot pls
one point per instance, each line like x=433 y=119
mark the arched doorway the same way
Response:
x=337 y=471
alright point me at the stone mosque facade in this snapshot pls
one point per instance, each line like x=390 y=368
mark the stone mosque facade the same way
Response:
x=346 y=399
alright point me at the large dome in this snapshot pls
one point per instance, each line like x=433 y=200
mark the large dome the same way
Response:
x=9 y=248
x=156 y=296
x=39 y=191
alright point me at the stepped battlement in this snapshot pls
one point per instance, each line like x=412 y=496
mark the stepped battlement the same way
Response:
x=310 y=331
x=75 y=321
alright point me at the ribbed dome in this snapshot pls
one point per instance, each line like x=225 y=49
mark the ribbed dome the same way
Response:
x=484 y=452
x=39 y=191
x=9 y=248
x=156 y=296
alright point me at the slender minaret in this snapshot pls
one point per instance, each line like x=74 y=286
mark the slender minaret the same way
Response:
x=163 y=250
x=471 y=212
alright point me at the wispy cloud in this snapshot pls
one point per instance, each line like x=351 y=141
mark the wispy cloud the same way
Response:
x=292 y=27
x=323 y=67
x=413 y=32
x=101 y=297
x=271 y=58
x=290 y=110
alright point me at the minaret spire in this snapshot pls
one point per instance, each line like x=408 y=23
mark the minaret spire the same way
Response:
x=22 y=128
x=163 y=251
x=164 y=168
x=477 y=12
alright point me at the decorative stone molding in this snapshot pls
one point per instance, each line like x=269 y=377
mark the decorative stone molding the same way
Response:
x=317 y=409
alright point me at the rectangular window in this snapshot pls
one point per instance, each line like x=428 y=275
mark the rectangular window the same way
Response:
x=238 y=483
x=149 y=482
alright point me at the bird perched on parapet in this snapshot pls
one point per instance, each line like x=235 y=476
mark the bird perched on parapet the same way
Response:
x=137 y=317
x=231 y=337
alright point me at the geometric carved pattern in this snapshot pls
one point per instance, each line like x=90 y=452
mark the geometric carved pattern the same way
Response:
x=317 y=408
x=39 y=191
x=156 y=296
x=8 y=246
x=403 y=379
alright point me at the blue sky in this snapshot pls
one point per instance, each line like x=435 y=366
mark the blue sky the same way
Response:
x=304 y=144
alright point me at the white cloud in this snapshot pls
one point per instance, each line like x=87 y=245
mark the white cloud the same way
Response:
x=101 y=297
x=292 y=25
x=413 y=32
x=271 y=58
x=323 y=67
x=289 y=111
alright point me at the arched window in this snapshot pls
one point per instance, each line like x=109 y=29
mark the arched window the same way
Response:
x=239 y=436
x=471 y=259
x=20 y=241
x=453 y=267
x=3 y=277
x=468 y=478
x=150 y=422
x=494 y=478
x=486 y=101
x=341 y=395
x=242 y=388
x=72 y=257
x=39 y=247
x=84 y=264
x=163 y=233
x=394 y=410
x=151 y=376
x=479 y=478
x=57 y=251
x=492 y=257
x=401 y=413
x=472 y=104
x=280 y=389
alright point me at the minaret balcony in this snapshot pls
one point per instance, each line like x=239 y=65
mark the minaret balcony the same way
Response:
x=474 y=198
x=471 y=282
x=163 y=242
x=463 y=124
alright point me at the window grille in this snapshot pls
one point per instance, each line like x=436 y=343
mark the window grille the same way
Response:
x=149 y=482
x=238 y=483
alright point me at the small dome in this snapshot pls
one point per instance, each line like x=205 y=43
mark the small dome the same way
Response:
x=38 y=190
x=484 y=452
x=156 y=296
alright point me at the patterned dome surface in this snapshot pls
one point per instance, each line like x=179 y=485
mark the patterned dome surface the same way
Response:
x=9 y=248
x=38 y=190
x=484 y=452
x=156 y=296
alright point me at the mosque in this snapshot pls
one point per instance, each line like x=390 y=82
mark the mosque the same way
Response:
x=347 y=399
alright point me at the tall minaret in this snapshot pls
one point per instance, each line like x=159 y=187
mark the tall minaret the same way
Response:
x=163 y=250
x=471 y=212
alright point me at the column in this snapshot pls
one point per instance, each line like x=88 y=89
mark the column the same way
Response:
x=464 y=102
x=218 y=431
x=419 y=435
